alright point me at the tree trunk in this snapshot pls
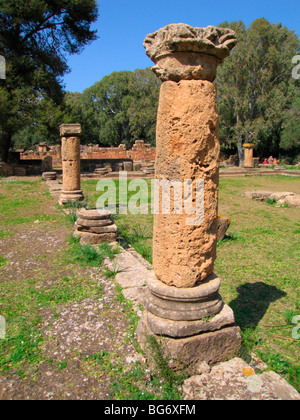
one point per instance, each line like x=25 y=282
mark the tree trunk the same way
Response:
x=5 y=144
x=241 y=154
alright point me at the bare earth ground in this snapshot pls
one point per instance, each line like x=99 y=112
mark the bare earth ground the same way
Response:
x=81 y=345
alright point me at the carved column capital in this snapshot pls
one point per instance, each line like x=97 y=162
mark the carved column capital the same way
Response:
x=182 y=52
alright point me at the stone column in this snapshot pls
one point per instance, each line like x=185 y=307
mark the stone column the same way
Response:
x=183 y=292
x=70 y=153
x=249 y=162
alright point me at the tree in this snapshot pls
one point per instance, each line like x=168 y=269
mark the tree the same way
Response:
x=121 y=107
x=255 y=87
x=144 y=89
x=35 y=35
x=108 y=100
x=77 y=108
x=290 y=138
x=43 y=125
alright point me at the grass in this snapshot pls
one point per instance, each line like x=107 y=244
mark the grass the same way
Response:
x=258 y=262
x=23 y=203
x=73 y=207
x=88 y=255
x=3 y=261
x=5 y=234
x=21 y=303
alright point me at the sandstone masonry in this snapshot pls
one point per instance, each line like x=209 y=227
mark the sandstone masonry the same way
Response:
x=70 y=149
x=184 y=310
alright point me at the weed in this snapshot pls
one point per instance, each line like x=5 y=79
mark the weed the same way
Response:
x=3 y=261
x=73 y=240
x=99 y=358
x=108 y=251
x=88 y=255
x=171 y=379
x=63 y=365
x=5 y=234
x=114 y=270
x=289 y=315
x=282 y=366
x=271 y=201
x=73 y=207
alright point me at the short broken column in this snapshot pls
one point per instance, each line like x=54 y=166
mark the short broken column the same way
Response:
x=70 y=152
x=184 y=309
x=95 y=227
x=249 y=161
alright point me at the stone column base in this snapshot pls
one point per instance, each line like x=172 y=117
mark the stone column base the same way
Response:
x=191 y=325
x=70 y=196
x=186 y=354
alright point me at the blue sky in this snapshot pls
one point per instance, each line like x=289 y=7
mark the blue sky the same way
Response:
x=123 y=25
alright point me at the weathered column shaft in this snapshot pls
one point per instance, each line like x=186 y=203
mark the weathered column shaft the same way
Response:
x=71 y=163
x=248 y=162
x=187 y=149
x=188 y=146
x=70 y=153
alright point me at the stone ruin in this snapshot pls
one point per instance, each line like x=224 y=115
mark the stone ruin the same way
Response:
x=288 y=198
x=70 y=151
x=49 y=176
x=94 y=157
x=249 y=160
x=17 y=166
x=95 y=227
x=184 y=310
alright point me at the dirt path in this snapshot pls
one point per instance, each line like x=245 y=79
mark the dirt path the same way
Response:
x=83 y=333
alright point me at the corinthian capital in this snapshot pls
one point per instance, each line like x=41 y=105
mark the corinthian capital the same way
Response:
x=182 y=52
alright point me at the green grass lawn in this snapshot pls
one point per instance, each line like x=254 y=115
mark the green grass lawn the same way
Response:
x=44 y=272
x=258 y=262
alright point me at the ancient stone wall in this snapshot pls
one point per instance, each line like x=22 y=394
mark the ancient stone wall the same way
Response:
x=140 y=152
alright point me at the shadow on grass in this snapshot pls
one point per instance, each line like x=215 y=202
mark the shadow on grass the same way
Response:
x=235 y=236
x=253 y=302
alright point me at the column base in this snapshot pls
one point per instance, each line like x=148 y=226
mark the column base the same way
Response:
x=186 y=354
x=190 y=325
x=70 y=196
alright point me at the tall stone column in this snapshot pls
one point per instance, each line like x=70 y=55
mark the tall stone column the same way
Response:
x=70 y=153
x=249 y=162
x=183 y=307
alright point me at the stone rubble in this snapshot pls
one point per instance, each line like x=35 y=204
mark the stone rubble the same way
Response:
x=283 y=197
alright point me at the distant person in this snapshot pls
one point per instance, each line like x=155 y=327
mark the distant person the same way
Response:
x=265 y=162
x=275 y=162
x=271 y=160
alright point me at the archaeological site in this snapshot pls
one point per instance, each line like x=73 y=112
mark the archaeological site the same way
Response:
x=149 y=234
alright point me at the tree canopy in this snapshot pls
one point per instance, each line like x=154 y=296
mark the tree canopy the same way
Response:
x=256 y=91
x=259 y=100
x=34 y=39
x=122 y=108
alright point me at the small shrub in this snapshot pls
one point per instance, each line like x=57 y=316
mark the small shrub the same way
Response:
x=271 y=201
x=107 y=250
x=87 y=254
